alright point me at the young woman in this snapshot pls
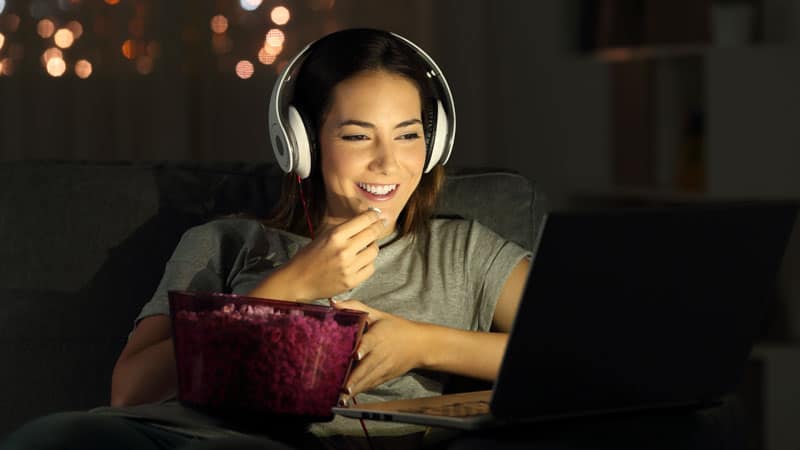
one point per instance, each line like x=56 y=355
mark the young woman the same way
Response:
x=441 y=294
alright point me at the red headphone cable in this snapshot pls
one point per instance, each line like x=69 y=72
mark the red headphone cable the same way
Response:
x=330 y=299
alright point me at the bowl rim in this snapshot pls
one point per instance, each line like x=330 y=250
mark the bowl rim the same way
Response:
x=227 y=297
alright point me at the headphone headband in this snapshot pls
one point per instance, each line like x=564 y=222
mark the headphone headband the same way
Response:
x=290 y=140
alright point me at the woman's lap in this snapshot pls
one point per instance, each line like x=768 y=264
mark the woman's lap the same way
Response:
x=87 y=431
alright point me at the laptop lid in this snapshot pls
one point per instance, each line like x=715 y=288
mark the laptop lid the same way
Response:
x=629 y=309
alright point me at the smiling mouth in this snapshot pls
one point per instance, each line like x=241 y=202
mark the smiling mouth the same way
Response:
x=378 y=189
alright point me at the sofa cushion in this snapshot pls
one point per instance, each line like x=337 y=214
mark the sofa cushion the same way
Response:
x=62 y=223
x=506 y=202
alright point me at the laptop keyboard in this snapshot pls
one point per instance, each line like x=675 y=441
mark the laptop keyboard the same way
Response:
x=461 y=409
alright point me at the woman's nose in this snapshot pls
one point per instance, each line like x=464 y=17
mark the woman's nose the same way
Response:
x=384 y=157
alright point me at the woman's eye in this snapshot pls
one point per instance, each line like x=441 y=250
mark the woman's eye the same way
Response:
x=410 y=136
x=355 y=137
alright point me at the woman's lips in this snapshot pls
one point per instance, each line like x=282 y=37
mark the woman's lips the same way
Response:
x=378 y=192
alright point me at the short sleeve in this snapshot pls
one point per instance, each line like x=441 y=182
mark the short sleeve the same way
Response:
x=490 y=261
x=194 y=265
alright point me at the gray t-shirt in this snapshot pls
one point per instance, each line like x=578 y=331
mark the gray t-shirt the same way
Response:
x=451 y=277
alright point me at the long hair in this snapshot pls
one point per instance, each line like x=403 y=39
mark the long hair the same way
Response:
x=331 y=60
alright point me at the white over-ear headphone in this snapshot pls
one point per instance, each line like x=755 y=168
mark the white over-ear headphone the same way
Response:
x=288 y=132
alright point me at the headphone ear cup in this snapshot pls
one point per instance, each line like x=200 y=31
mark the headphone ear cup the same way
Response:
x=438 y=138
x=301 y=150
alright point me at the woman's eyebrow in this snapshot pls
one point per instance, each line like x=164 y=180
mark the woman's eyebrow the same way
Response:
x=364 y=124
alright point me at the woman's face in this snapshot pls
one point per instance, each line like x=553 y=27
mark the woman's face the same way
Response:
x=372 y=146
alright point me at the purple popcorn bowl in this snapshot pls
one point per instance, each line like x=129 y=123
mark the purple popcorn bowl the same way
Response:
x=245 y=357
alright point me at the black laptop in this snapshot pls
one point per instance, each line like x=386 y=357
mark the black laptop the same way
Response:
x=626 y=310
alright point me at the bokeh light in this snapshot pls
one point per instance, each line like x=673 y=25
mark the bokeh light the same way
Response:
x=51 y=53
x=272 y=51
x=83 y=69
x=250 y=5
x=45 y=28
x=275 y=38
x=64 y=38
x=280 y=15
x=2 y=40
x=144 y=65
x=76 y=28
x=264 y=57
x=219 y=24
x=6 y=66
x=112 y=2
x=127 y=49
x=56 y=67
x=244 y=69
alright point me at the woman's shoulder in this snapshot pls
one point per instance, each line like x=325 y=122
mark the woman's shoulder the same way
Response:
x=243 y=229
x=458 y=227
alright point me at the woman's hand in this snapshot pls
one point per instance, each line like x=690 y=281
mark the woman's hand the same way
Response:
x=391 y=347
x=339 y=259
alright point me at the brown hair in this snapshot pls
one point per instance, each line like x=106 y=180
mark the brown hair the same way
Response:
x=331 y=60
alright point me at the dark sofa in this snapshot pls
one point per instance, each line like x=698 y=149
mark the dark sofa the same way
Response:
x=83 y=245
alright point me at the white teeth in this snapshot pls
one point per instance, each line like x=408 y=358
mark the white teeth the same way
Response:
x=378 y=189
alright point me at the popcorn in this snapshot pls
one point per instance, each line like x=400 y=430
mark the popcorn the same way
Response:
x=264 y=359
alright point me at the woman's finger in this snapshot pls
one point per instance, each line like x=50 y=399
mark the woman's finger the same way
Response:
x=358 y=223
x=366 y=256
x=368 y=373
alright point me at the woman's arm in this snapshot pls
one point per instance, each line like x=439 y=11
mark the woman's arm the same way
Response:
x=395 y=345
x=478 y=354
x=145 y=370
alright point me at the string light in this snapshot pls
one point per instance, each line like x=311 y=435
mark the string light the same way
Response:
x=250 y=5
x=6 y=66
x=219 y=24
x=133 y=28
x=275 y=38
x=51 y=53
x=64 y=38
x=56 y=67
x=280 y=15
x=83 y=69
x=244 y=69
x=264 y=57
x=127 y=49
x=76 y=28
x=272 y=51
x=45 y=28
